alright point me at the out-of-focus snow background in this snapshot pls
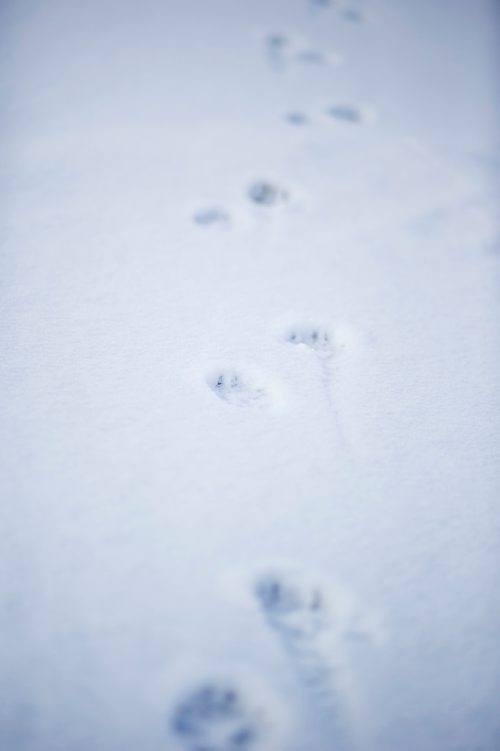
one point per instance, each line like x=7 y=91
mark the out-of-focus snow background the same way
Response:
x=170 y=425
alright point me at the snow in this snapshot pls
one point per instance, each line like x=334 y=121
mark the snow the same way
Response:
x=249 y=328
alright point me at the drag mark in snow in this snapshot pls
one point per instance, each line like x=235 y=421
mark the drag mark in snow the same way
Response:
x=221 y=714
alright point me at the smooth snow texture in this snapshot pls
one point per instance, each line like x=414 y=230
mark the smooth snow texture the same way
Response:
x=249 y=312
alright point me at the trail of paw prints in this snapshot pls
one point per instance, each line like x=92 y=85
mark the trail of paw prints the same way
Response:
x=224 y=714
x=261 y=193
x=311 y=627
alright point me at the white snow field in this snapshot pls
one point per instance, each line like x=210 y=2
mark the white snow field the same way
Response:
x=249 y=375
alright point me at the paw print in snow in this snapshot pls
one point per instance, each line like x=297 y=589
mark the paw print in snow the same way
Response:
x=239 y=389
x=315 y=337
x=346 y=113
x=215 y=717
x=296 y=118
x=211 y=216
x=264 y=193
x=294 y=608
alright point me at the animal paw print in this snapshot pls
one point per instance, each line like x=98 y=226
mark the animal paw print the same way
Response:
x=352 y=115
x=277 y=43
x=298 y=612
x=237 y=389
x=352 y=14
x=296 y=118
x=294 y=608
x=284 y=50
x=314 y=626
x=311 y=57
x=317 y=338
x=265 y=193
x=308 y=615
x=216 y=716
x=211 y=216
x=346 y=113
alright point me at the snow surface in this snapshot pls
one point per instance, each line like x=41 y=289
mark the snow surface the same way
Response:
x=249 y=378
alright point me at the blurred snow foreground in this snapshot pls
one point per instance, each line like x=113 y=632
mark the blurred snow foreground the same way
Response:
x=249 y=376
